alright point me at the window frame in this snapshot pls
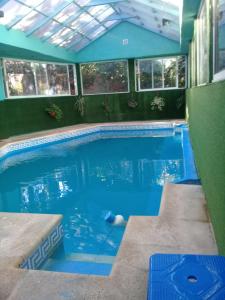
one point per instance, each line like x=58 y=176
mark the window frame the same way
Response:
x=105 y=61
x=217 y=76
x=204 y=5
x=193 y=71
x=137 y=74
x=35 y=79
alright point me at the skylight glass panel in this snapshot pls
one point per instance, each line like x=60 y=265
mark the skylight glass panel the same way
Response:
x=59 y=36
x=67 y=12
x=29 y=21
x=89 y=26
x=71 y=40
x=106 y=14
x=173 y=2
x=81 y=21
x=97 y=10
x=47 y=30
x=110 y=23
x=50 y=6
x=96 y=32
x=83 y=2
x=84 y=42
x=33 y=2
x=12 y=11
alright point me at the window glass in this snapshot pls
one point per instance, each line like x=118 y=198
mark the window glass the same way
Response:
x=181 y=65
x=49 y=7
x=203 y=45
x=58 y=79
x=20 y=78
x=170 y=72
x=47 y=30
x=15 y=11
x=72 y=39
x=106 y=14
x=81 y=21
x=30 y=21
x=67 y=13
x=25 y=78
x=72 y=80
x=58 y=37
x=157 y=74
x=219 y=35
x=80 y=44
x=161 y=73
x=145 y=68
x=98 y=10
x=105 y=77
x=97 y=31
x=41 y=79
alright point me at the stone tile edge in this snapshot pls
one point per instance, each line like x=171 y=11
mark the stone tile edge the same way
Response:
x=12 y=147
x=44 y=250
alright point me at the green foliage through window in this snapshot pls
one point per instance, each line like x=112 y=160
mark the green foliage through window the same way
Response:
x=105 y=77
x=27 y=78
x=161 y=73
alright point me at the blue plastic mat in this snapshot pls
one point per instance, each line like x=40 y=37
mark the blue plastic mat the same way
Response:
x=186 y=277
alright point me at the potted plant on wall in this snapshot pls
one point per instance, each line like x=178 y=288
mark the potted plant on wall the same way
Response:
x=158 y=103
x=106 y=107
x=80 y=105
x=132 y=103
x=54 y=111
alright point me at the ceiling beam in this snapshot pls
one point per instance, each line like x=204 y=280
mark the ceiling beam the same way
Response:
x=102 y=2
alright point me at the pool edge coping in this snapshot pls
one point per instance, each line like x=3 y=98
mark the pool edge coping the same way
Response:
x=21 y=142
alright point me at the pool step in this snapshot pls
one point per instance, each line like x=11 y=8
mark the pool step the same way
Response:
x=86 y=257
x=78 y=267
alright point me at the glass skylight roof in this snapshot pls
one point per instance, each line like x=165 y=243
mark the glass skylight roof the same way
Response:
x=75 y=24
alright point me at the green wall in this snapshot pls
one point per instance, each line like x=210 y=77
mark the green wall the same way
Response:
x=20 y=116
x=206 y=109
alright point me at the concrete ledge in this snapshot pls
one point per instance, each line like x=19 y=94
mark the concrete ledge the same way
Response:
x=21 y=234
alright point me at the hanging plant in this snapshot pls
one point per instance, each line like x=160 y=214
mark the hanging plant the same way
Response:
x=106 y=107
x=54 y=111
x=158 y=103
x=80 y=105
x=180 y=102
x=132 y=103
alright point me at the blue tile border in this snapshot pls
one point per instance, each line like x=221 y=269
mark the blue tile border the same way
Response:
x=44 y=250
x=78 y=133
x=190 y=170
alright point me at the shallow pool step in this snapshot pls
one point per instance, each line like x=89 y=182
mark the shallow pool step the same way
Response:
x=86 y=257
x=78 y=267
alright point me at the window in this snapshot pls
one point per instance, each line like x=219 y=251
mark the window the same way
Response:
x=41 y=78
x=193 y=63
x=31 y=79
x=219 y=39
x=161 y=73
x=105 y=77
x=20 y=78
x=58 y=79
x=203 y=42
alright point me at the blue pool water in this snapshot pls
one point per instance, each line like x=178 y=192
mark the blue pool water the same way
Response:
x=86 y=179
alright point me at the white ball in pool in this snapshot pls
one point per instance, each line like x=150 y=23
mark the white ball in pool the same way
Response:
x=119 y=220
